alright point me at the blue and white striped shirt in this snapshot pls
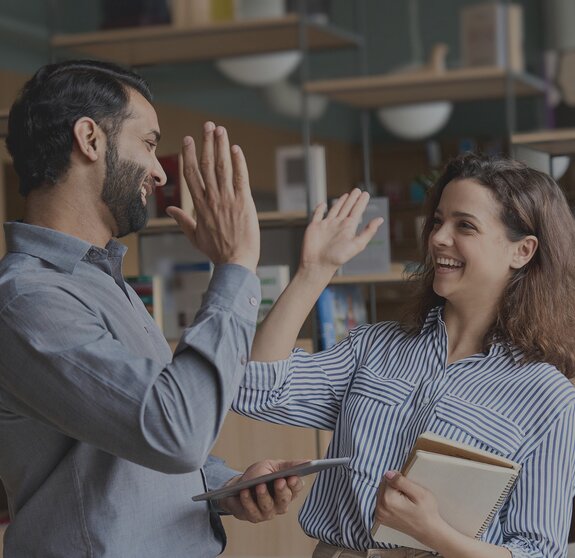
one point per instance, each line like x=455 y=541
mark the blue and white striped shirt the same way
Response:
x=380 y=388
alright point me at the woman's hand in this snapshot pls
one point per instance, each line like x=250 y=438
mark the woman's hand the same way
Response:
x=332 y=240
x=408 y=507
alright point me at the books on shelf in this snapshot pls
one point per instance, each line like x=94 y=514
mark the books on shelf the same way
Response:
x=376 y=258
x=150 y=290
x=470 y=485
x=339 y=309
x=291 y=177
x=273 y=280
x=186 y=286
x=492 y=37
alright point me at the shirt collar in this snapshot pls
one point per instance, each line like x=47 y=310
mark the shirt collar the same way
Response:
x=59 y=249
x=497 y=347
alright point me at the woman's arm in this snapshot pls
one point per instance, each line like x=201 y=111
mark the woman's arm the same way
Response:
x=328 y=242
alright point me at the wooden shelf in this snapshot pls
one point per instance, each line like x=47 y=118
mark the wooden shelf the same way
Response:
x=396 y=274
x=464 y=84
x=166 y=44
x=3 y=122
x=265 y=218
x=553 y=142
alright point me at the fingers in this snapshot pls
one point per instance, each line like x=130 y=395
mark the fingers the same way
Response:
x=368 y=233
x=207 y=160
x=319 y=212
x=411 y=490
x=241 y=179
x=192 y=173
x=223 y=162
x=186 y=222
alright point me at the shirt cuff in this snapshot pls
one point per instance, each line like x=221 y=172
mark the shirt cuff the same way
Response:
x=266 y=376
x=237 y=288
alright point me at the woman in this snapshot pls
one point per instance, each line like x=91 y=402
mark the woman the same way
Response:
x=483 y=358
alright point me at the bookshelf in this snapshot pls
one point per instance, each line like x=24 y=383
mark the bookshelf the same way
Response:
x=552 y=142
x=396 y=274
x=265 y=218
x=164 y=44
x=463 y=84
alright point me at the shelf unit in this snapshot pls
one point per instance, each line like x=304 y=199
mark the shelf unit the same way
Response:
x=552 y=142
x=463 y=84
x=164 y=44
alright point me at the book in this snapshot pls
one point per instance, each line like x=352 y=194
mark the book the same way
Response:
x=291 y=177
x=273 y=280
x=184 y=292
x=470 y=485
x=339 y=308
x=376 y=257
x=492 y=37
x=150 y=290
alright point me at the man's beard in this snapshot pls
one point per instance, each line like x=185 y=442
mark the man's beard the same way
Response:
x=122 y=192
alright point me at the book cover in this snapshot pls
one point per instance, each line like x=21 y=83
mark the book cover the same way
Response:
x=470 y=486
x=273 y=280
x=150 y=290
x=376 y=258
x=187 y=284
x=339 y=308
x=489 y=35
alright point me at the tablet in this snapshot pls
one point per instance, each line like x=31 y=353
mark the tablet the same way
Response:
x=300 y=470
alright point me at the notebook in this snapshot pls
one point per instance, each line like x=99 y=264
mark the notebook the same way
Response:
x=470 y=486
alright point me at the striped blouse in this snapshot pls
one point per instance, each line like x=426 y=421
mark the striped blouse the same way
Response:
x=380 y=388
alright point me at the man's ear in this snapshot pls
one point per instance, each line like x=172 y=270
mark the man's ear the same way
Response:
x=89 y=138
x=524 y=250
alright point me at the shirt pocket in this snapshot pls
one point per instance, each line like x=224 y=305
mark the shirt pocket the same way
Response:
x=389 y=391
x=478 y=425
x=373 y=410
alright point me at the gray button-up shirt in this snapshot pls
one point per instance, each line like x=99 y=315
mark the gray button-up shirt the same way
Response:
x=103 y=432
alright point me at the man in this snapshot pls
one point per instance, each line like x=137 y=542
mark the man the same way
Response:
x=105 y=434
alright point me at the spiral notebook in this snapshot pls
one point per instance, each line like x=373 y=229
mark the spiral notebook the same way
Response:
x=470 y=486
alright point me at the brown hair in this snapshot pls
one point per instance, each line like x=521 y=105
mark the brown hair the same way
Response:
x=536 y=313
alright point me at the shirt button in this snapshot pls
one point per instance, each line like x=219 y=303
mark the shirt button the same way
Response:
x=243 y=360
x=426 y=401
x=253 y=301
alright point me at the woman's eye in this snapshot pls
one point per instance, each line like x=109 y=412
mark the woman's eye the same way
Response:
x=436 y=222
x=466 y=225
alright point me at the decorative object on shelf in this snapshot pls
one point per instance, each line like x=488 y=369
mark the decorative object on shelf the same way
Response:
x=418 y=121
x=259 y=69
x=491 y=34
x=186 y=13
x=287 y=99
x=559 y=166
x=291 y=177
x=376 y=258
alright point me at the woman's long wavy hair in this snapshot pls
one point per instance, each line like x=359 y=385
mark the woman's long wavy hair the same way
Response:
x=536 y=312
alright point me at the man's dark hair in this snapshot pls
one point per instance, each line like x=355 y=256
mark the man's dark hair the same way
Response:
x=41 y=121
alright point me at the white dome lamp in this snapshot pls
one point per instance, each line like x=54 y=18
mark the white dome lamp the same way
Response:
x=420 y=120
x=259 y=69
x=287 y=99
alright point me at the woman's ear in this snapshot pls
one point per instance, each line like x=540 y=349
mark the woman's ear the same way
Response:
x=88 y=137
x=524 y=250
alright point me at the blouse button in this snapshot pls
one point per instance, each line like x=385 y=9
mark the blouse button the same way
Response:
x=253 y=301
